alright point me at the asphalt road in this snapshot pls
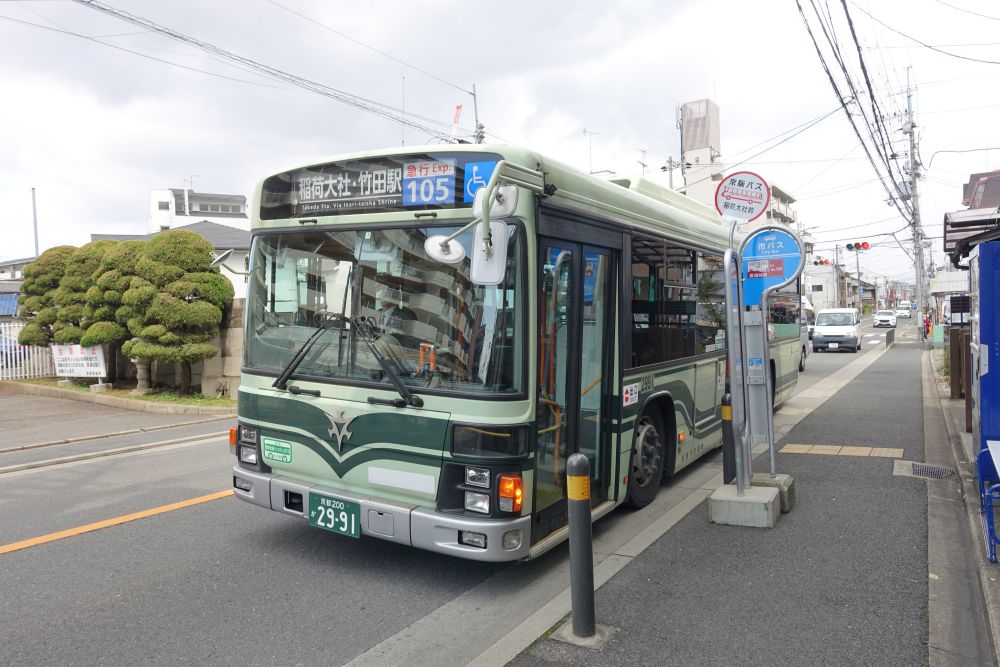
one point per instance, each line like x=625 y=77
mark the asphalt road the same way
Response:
x=224 y=583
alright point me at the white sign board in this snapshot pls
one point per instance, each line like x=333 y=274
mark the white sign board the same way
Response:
x=742 y=196
x=75 y=361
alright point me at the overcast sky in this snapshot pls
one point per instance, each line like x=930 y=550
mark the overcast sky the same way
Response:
x=94 y=128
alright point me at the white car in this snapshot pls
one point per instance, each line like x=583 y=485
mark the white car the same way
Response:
x=902 y=312
x=885 y=318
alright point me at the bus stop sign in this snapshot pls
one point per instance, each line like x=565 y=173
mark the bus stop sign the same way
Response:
x=772 y=257
x=742 y=196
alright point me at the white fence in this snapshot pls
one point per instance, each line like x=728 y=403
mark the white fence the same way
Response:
x=19 y=362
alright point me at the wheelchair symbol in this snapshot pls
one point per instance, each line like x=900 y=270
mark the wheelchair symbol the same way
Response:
x=474 y=182
x=477 y=174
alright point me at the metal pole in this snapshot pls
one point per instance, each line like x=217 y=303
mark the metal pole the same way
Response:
x=34 y=217
x=857 y=265
x=479 y=135
x=581 y=545
x=836 y=276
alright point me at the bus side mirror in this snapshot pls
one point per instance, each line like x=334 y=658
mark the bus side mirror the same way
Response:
x=489 y=246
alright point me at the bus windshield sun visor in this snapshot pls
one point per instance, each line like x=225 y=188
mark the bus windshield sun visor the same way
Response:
x=365 y=327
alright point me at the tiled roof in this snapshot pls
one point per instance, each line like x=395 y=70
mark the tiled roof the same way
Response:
x=222 y=237
x=8 y=305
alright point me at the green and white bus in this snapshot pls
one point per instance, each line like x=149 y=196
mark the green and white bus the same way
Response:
x=427 y=390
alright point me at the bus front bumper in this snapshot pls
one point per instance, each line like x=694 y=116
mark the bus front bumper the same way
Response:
x=415 y=526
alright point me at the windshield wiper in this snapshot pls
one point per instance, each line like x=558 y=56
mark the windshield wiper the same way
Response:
x=364 y=326
x=293 y=363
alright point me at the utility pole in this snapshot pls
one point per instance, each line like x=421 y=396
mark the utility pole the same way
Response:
x=836 y=275
x=669 y=168
x=857 y=265
x=909 y=128
x=590 y=149
x=34 y=217
x=642 y=162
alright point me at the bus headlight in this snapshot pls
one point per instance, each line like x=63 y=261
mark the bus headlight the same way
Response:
x=477 y=477
x=248 y=434
x=248 y=455
x=477 y=502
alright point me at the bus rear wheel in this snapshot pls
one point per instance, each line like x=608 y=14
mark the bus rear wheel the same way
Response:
x=646 y=461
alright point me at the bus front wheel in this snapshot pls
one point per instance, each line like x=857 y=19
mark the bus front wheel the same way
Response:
x=647 y=460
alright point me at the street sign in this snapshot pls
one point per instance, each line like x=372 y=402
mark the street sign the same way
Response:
x=742 y=196
x=772 y=257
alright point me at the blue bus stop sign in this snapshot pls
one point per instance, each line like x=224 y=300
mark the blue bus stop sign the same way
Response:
x=771 y=257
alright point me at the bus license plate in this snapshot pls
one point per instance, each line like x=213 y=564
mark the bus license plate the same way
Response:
x=335 y=514
x=834 y=346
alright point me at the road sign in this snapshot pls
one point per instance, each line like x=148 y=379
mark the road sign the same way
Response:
x=742 y=196
x=772 y=257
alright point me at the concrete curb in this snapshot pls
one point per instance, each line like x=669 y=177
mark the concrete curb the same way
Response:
x=114 y=401
x=115 y=434
x=33 y=465
x=970 y=494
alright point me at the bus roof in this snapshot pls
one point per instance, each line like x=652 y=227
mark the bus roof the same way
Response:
x=635 y=201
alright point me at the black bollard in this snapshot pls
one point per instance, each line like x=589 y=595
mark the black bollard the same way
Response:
x=581 y=545
x=728 y=439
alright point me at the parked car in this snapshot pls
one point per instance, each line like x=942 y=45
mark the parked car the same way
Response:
x=885 y=318
x=837 y=329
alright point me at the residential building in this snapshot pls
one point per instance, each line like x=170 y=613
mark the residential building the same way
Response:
x=173 y=208
x=13 y=269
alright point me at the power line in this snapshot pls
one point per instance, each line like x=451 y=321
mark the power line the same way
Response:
x=806 y=126
x=368 y=46
x=356 y=101
x=967 y=11
x=141 y=55
x=924 y=44
x=892 y=191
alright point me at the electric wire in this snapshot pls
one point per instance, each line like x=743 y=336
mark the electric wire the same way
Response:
x=924 y=44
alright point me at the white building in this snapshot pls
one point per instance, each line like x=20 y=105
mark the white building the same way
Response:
x=701 y=148
x=173 y=208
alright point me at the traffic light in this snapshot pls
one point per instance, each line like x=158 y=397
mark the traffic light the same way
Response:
x=819 y=261
x=859 y=245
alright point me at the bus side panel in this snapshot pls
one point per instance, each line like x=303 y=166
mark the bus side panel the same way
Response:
x=679 y=380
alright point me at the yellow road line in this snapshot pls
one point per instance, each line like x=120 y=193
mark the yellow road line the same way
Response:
x=107 y=523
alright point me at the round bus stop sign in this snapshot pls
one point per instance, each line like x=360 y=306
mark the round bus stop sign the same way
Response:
x=742 y=196
x=771 y=257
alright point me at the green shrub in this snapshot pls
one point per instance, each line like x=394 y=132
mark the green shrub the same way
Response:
x=158 y=273
x=33 y=334
x=179 y=248
x=104 y=333
x=68 y=335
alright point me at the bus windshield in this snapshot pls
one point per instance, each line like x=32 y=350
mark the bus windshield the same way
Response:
x=437 y=329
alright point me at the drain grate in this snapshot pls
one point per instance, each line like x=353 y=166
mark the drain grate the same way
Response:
x=916 y=469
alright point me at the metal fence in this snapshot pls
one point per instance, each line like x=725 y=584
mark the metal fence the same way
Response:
x=20 y=362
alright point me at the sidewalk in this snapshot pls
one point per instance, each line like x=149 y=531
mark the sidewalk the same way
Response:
x=869 y=568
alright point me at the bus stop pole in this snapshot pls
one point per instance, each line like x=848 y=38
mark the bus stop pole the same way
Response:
x=581 y=545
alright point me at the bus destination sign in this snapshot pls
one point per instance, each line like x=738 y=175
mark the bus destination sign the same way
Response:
x=375 y=185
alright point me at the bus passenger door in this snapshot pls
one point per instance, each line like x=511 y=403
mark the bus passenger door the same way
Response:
x=575 y=316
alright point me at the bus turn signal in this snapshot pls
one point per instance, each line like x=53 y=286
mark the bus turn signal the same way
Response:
x=511 y=492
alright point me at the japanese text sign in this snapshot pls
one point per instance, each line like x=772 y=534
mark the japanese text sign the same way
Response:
x=771 y=258
x=76 y=361
x=742 y=196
